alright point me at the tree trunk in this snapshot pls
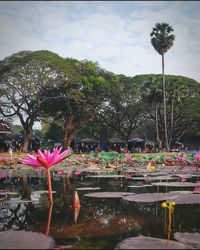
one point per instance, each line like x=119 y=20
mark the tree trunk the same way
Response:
x=27 y=136
x=164 y=106
x=68 y=139
x=69 y=135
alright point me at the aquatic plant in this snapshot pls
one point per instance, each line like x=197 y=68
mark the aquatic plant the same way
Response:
x=197 y=160
x=78 y=159
x=181 y=159
x=170 y=207
x=197 y=157
x=183 y=179
x=150 y=167
x=3 y=158
x=197 y=189
x=46 y=159
x=92 y=159
x=69 y=160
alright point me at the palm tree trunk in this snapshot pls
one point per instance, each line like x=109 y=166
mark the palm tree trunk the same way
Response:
x=164 y=106
x=157 y=130
x=172 y=121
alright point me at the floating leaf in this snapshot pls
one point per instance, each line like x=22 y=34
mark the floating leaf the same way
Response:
x=87 y=188
x=143 y=242
x=186 y=199
x=149 y=197
x=25 y=240
x=108 y=194
x=192 y=239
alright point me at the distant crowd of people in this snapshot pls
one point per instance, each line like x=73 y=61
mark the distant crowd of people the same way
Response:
x=120 y=148
x=11 y=145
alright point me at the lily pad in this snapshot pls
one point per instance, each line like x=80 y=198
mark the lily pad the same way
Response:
x=186 y=199
x=107 y=156
x=192 y=239
x=176 y=184
x=181 y=192
x=25 y=240
x=149 y=197
x=106 y=176
x=87 y=188
x=8 y=193
x=108 y=194
x=141 y=186
x=143 y=242
x=42 y=192
x=20 y=201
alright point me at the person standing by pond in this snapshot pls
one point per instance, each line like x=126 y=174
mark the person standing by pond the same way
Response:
x=11 y=150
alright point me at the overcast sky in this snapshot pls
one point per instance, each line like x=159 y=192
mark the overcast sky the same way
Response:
x=116 y=34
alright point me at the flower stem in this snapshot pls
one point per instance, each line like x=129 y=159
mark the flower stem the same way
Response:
x=49 y=219
x=49 y=185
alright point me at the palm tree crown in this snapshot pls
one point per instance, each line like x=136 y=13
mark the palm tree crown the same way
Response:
x=161 y=39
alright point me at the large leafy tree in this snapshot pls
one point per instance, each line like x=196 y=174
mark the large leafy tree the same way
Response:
x=23 y=76
x=75 y=104
x=122 y=110
x=183 y=103
x=162 y=40
x=183 y=99
x=54 y=132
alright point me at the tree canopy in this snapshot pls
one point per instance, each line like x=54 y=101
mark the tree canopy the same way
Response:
x=23 y=77
x=79 y=98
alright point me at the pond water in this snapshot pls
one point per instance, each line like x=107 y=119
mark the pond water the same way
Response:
x=100 y=223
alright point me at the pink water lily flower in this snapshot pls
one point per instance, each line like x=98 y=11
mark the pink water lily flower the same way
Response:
x=92 y=159
x=197 y=189
x=69 y=160
x=181 y=159
x=197 y=157
x=183 y=180
x=60 y=172
x=78 y=159
x=45 y=159
x=3 y=158
x=129 y=158
x=77 y=172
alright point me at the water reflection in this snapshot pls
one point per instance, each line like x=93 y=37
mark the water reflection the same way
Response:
x=14 y=216
x=26 y=190
x=103 y=221
x=76 y=211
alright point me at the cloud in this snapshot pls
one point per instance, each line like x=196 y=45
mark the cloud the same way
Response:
x=116 y=34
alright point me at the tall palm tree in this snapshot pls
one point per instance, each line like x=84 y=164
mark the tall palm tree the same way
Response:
x=162 y=40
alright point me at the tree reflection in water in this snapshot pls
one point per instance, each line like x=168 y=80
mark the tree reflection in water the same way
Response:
x=16 y=216
x=104 y=221
x=26 y=190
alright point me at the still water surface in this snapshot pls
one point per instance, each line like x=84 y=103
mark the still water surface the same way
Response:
x=99 y=223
